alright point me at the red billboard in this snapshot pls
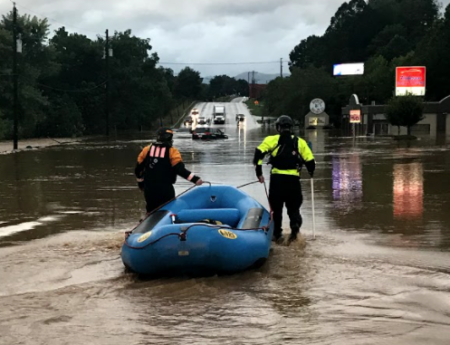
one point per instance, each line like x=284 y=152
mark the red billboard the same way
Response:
x=410 y=80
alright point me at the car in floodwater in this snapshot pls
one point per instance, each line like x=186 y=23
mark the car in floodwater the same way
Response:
x=202 y=120
x=206 y=133
x=188 y=121
x=240 y=119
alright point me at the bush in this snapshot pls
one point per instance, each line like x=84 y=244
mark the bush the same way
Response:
x=405 y=111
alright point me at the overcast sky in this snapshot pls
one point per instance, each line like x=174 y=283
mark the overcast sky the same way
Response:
x=197 y=31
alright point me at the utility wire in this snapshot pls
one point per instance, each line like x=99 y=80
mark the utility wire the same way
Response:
x=222 y=63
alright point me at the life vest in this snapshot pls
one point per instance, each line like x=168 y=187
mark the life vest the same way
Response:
x=287 y=157
x=158 y=169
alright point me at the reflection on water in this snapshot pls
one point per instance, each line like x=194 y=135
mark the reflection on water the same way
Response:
x=408 y=191
x=347 y=181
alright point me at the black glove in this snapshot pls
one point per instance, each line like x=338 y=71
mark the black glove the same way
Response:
x=141 y=185
x=311 y=167
x=258 y=170
x=195 y=179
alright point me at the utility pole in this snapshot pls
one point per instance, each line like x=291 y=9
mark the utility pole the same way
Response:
x=281 y=67
x=15 y=81
x=107 y=82
x=248 y=82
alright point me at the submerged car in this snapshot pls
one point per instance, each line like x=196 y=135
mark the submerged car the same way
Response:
x=207 y=133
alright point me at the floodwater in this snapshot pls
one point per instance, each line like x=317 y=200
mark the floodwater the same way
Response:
x=378 y=271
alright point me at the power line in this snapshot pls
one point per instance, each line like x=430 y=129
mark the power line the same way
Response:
x=221 y=63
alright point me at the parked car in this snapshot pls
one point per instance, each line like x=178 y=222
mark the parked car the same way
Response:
x=206 y=133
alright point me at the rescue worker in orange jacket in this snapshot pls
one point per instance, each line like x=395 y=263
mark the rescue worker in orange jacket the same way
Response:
x=287 y=153
x=157 y=168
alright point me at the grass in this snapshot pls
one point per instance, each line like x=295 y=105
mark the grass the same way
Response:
x=225 y=98
x=256 y=110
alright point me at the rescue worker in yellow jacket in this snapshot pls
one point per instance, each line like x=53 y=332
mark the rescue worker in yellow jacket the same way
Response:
x=287 y=153
x=157 y=168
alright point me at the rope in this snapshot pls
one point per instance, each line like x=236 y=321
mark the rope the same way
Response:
x=182 y=236
x=247 y=184
x=128 y=233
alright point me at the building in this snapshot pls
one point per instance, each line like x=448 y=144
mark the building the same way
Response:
x=373 y=120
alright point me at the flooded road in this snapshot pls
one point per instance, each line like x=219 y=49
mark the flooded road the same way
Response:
x=377 y=273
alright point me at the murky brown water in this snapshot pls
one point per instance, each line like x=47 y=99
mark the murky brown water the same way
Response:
x=377 y=273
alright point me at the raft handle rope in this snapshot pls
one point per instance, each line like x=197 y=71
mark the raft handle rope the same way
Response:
x=247 y=184
x=184 y=230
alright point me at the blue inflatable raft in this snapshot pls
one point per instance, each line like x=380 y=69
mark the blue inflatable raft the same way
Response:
x=208 y=230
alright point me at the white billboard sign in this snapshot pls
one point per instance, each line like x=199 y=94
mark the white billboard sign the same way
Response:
x=348 y=69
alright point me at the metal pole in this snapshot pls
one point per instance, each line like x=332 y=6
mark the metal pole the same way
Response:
x=313 y=208
x=15 y=82
x=107 y=82
x=281 y=67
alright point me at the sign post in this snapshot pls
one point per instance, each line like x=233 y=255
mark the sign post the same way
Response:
x=355 y=117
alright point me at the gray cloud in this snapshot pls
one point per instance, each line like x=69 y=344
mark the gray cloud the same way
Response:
x=198 y=31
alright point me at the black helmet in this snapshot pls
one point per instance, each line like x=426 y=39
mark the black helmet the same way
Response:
x=164 y=135
x=284 y=122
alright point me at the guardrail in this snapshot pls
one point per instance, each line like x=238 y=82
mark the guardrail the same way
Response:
x=185 y=113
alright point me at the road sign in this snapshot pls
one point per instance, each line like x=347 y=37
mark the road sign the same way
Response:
x=355 y=116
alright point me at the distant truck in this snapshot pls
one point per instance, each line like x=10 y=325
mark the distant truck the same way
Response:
x=219 y=114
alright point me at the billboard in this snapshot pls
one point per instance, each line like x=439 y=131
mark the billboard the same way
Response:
x=355 y=116
x=348 y=69
x=410 y=80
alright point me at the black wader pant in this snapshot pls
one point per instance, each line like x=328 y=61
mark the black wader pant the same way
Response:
x=157 y=195
x=285 y=189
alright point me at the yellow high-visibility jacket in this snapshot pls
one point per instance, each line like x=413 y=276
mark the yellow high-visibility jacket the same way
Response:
x=269 y=145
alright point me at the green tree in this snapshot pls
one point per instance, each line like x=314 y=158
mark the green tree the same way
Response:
x=35 y=61
x=188 y=84
x=80 y=79
x=405 y=111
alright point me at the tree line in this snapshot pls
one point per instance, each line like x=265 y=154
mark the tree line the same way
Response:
x=383 y=34
x=62 y=82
